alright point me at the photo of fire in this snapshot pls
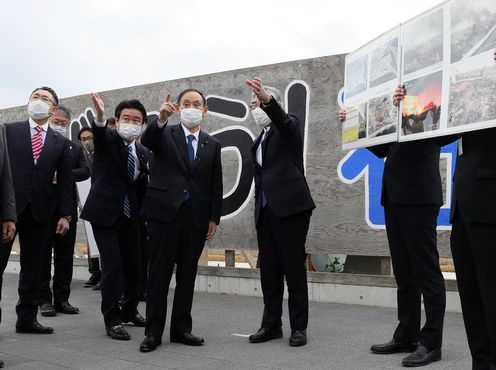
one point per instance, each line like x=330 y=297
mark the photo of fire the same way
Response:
x=422 y=105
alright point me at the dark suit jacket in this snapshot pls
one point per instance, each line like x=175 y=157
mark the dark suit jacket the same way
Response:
x=171 y=176
x=33 y=184
x=80 y=172
x=474 y=192
x=110 y=181
x=411 y=172
x=7 y=195
x=281 y=175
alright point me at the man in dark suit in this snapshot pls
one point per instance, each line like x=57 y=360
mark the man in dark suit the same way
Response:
x=283 y=207
x=62 y=245
x=473 y=214
x=85 y=137
x=37 y=153
x=411 y=197
x=183 y=208
x=8 y=214
x=119 y=169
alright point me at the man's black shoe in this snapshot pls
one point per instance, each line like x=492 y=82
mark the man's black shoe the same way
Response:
x=265 y=334
x=33 y=328
x=187 y=338
x=67 y=308
x=150 y=343
x=137 y=320
x=421 y=357
x=92 y=281
x=393 y=346
x=47 y=310
x=1 y=363
x=298 y=338
x=97 y=286
x=118 y=332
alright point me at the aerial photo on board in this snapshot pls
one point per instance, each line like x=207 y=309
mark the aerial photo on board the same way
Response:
x=383 y=116
x=473 y=28
x=384 y=63
x=423 y=42
x=472 y=97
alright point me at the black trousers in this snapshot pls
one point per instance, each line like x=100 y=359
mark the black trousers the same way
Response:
x=281 y=244
x=4 y=259
x=63 y=253
x=120 y=266
x=145 y=258
x=176 y=242
x=473 y=247
x=32 y=237
x=412 y=236
x=94 y=266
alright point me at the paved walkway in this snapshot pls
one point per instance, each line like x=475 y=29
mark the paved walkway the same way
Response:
x=339 y=338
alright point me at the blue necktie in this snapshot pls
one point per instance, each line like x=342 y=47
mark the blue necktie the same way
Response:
x=131 y=166
x=191 y=150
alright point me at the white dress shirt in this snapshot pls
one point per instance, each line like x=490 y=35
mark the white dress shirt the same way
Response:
x=195 y=134
x=259 y=148
x=44 y=128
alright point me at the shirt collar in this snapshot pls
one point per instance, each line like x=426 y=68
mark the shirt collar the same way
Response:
x=33 y=125
x=188 y=132
x=131 y=144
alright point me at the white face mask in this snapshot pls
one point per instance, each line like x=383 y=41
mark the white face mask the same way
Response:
x=190 y=117
x=261 y=118
x=59 y=129
x=38 y=109
x=128 y=131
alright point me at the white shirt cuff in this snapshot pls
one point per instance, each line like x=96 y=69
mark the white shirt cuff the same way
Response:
x=101 y=124
x=161 y=124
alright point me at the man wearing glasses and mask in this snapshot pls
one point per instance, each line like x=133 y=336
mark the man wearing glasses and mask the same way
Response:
x=37 y=153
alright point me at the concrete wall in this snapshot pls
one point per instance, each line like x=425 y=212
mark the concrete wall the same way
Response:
x=345 y=186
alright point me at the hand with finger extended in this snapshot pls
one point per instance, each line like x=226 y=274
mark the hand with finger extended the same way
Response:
x=99 y=107
x=259 y=90
x=167 y=109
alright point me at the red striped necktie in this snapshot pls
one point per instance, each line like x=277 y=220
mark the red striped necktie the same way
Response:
x=37 y=143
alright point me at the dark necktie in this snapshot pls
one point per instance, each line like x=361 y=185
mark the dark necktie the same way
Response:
x=131 y=166
x=191 y=150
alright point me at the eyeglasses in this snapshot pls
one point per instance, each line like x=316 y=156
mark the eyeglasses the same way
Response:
x=87 y=139
x=43 y=98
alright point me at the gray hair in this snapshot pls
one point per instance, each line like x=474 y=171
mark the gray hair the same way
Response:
x=65 y=111
x=276 y=94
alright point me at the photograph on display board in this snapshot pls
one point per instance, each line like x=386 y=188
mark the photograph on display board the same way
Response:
x=354 y=127
x=421 y=107
x=423 y=42
x=473 y=28
x=383 y=116
x=372 y=118
x=356 y=76
x=472 y=98
x=384 y=63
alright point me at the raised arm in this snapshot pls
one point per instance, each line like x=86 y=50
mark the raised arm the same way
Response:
x=153 y=133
